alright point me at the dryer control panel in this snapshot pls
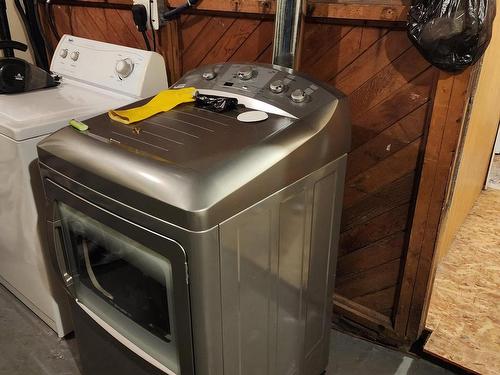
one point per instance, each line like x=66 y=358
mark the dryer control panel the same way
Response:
x=278 y=90
x=122 y=69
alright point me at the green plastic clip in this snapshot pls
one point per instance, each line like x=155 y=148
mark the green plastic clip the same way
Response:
x=78 y=125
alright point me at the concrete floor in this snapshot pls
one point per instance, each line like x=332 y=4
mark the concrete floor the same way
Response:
x=29 y=347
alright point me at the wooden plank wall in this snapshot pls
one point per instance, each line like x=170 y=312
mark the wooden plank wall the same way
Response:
x=389 y=86
x=203 y=39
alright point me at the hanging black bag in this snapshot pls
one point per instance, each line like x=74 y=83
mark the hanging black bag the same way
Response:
x=451 y=34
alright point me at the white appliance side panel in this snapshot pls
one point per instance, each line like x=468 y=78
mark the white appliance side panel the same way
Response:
x=22 y=261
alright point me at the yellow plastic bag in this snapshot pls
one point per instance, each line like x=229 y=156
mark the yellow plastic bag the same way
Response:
x=163 y=102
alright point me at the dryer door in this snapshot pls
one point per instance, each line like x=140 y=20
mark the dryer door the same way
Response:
x=131 y=281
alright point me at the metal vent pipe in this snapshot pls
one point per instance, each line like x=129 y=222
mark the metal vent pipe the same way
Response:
x=287 y=32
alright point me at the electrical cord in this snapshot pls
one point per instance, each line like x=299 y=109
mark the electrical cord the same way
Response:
x=146 y=40
x=140 y=16
x=40 y=61
x=47 y=43
x=151 y=25
x=167 y=16
x=50 y=15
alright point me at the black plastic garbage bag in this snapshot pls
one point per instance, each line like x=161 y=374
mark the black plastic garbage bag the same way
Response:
x=451 y=34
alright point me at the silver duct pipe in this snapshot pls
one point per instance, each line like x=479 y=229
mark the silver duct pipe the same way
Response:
x=287 y=32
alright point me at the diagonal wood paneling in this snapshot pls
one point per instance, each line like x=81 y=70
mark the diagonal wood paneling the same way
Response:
x=390 y=196
x=186 y=43
x=388 y=142
x=389 y=86
x=204 y=41
x=367 y=124
x=385 y=172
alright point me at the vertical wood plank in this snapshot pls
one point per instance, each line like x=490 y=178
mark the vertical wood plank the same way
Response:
x=170 y=48
x=442 y=140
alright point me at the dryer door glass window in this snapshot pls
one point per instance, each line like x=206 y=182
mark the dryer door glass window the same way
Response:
x=124 y=283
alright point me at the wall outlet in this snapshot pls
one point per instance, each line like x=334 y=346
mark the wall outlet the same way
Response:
x=153 y=8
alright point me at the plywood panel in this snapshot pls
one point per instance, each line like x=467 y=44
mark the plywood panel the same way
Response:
x=463 y=312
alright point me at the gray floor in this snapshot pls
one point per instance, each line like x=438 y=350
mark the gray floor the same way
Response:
x=29 y=347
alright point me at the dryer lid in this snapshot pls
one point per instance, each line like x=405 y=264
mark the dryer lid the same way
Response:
x=42 y=112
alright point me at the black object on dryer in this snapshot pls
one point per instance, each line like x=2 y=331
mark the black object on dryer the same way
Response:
x=17 y=75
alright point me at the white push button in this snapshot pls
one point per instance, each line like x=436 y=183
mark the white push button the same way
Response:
x=298 y=96
x=209 y=75
x=245 y=73
x=252 y=116
x=74 y=55
x=277 y=87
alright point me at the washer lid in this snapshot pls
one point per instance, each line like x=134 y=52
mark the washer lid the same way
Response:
x=41 y=112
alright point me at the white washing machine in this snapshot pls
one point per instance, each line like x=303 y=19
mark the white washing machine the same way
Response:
x=96 y=77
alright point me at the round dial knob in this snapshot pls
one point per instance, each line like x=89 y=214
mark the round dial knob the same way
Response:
x=298 y=96
x=124 y=67
x=245 y=73
x=209 y=75
x=74 y=55
x=63 y=53
x=277 y=86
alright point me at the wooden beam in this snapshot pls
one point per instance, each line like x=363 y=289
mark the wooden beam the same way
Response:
x=232 y=6
x=445 y=126
x=170 y=43
x=359 y=11
x=366 y=321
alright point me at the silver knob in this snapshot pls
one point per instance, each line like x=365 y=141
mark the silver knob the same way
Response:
x=209 y=75
x=298 y=96
x=74 y=55
x=277 y=87
x=63 y=53
x=124 y=68
x=245 y=73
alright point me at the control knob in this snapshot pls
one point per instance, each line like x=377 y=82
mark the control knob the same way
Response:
x=124 y=68
x=277 y=87
x=298 y=96
x=245 y=73
x=63 y=53
x=209 y=75
x=74 y=55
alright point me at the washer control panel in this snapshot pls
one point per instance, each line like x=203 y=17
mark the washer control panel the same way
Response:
x=273 y=85
x=118 y=68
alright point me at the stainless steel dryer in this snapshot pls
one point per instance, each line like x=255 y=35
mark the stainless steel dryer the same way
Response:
x=194 y=243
